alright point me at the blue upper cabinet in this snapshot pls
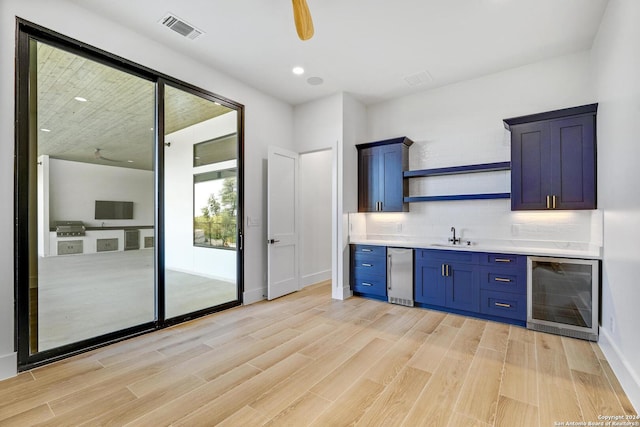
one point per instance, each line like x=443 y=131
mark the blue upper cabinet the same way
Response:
x=553 y=159
x=381 y=164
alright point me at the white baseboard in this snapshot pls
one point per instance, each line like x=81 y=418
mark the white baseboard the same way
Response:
x=341 y=293
x=8 y=366
x=254 y=295
x=628 y=378
x=312 y=279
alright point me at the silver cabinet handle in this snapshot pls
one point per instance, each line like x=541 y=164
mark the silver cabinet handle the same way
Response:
x=502 y=260
x=389 y=272
x=500 y=279
x=366 y=250
x=501 y=304
x=366 y=265
x=366 y=284
x=442 y=270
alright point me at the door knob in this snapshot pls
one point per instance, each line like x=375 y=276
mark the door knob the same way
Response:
x=272 y=241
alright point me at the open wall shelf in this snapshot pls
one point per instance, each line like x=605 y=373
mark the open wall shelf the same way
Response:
x=483 y=167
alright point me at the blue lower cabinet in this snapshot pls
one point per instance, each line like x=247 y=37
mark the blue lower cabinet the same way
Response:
x=504 y=304
x=369 y=270
x=462 y=287
x=446 y=279
x=490 y=286
x=372 y=285
x=429 y=286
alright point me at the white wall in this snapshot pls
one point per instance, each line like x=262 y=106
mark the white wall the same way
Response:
x=616 y=65
x=267 y=121
x=337 y=121
x=316 y=169
x=180 y=254
x=463 y=124
x=74 y=187
x=354 y=132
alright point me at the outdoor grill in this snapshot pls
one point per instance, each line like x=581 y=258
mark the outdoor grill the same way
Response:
x=69 y=228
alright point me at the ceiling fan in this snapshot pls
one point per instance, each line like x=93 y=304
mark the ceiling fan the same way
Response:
x=98 y=155
x=302 y=18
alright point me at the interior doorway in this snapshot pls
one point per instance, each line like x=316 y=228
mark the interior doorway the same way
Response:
x=316 y=201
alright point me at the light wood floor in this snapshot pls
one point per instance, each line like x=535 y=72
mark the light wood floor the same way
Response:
x=84 y=296
x=305 y=359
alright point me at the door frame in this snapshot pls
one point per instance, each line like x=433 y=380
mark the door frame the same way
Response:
x=26 y=31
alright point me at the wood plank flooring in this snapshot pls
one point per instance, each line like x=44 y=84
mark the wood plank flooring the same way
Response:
x=307 y=360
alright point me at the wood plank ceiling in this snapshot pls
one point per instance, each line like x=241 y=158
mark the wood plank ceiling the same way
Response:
x=117 y=117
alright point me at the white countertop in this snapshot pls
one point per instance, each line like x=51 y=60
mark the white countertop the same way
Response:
x=534 y=248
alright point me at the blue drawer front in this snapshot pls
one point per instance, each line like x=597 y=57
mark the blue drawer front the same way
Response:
x=373 y=285
x=504 y=260
x=371 y=250
x=370 y=265
x=503 y=304
x=503 y=279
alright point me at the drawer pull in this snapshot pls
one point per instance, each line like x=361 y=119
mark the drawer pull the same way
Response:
x=366 y=284
x=502 y=260
x=501 y=304
x=367 y=250
x=367 y=265
x=500 y=279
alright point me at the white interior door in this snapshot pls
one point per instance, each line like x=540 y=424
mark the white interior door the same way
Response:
x=282 y=222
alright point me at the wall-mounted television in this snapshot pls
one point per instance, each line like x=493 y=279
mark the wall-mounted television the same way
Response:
x=108 y=209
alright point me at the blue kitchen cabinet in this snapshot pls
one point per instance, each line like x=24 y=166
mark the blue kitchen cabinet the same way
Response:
x=486 y=285
x=503 y=286
x=429 y=287
x=369 y=271
x=553 y=159
x=381 y=185
x=447 y=278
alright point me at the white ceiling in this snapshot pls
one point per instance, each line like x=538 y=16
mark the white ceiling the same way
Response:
x=365 y=47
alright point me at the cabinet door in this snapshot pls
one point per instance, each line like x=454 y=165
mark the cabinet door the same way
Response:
x=391 y=179
x=573 y=157
x=429 y=283
x=530 y=166
x=368 y=179
x=463 y=291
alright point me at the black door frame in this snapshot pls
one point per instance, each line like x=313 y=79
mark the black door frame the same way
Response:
x=25 y=32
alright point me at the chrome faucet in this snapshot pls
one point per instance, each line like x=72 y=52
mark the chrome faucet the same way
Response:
x=453 y=239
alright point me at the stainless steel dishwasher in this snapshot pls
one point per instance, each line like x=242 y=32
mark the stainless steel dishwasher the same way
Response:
x=400 y=276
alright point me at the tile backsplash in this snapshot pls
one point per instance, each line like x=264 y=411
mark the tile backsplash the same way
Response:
x=481 y=221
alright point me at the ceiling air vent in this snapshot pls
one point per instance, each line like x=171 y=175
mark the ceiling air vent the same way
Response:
x=180 y=26
x=419 y=79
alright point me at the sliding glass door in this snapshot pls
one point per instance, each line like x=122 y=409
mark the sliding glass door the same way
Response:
x=200 y=202
x=91 y=151
x=128 y=199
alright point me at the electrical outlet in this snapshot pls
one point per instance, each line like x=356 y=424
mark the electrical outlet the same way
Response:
x=612 y=325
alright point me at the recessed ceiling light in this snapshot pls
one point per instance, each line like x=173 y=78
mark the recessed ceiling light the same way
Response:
x=298 y=71
x=80 y=99
x=129 y=161
x=315 y=81
x=45 y=130
x=217 y=103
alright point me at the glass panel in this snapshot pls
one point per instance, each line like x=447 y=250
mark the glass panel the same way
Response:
x=215 y=151
x=200 y=203
x=215 y=208
x=92 y=128
x=562 y=292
